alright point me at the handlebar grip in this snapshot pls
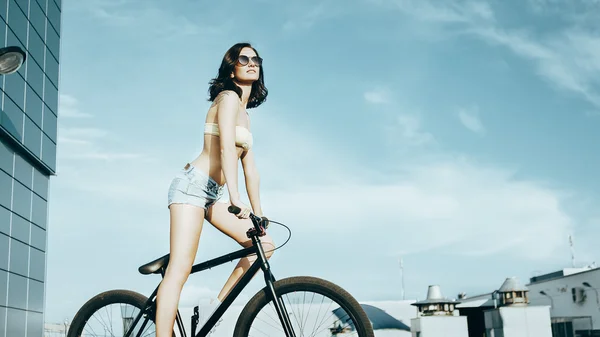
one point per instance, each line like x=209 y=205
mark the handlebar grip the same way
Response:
x=234 y=209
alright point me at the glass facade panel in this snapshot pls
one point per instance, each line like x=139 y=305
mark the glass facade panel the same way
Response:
x=39 y=211
x=3 y=287
x=36 y=46
x=19 y=255
x=49 y=152
x=33 y=137
x=17 y=291
x=40 y=185
x=12 y=118
x=23 y=171
x=35 y=324
x=52 y=41
x=3 y=8
x=6 y=158
x=35 y=77
x=4 y=220
x=17 y=21
x=2 y=321
x=5 y=190
x=50 y=124
x=37 y=19
x=28 y=115
x=15 y=322
x=54 y=15
x=21 y=200
x=42 y=4
x=20 y=229
x=51 y=95
x=36 y=296
x=33 y=105
x=4 y=250
x=37 y=264
x=38 y=238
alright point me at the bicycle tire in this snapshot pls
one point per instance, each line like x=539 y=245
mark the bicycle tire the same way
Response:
x=305 y=283
x=105 y=298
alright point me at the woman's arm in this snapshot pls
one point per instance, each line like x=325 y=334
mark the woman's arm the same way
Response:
x=227 y=110
x=252 y=182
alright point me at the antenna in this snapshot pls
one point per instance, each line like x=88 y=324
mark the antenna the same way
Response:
x=572 y=251
x=402 y=271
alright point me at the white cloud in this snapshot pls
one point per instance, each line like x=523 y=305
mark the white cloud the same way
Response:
x=378 y=95
x=68 y=108
x=569 y=60
x=470 y=119
x=408 y=127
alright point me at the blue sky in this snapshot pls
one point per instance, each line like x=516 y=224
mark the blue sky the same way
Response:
x=460 y=135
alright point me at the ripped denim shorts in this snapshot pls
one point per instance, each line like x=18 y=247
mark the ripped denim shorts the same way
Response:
x=194 y=187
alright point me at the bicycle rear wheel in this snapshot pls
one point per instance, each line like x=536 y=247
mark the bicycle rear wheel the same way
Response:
x=112 y=313
x=321 y=309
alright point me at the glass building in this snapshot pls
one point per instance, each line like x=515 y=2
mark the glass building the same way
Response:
x=27 y=160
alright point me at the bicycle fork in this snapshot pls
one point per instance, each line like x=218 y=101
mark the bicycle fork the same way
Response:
x=282 y=312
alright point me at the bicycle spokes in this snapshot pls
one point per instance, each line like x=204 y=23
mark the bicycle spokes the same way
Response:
x=311 y=314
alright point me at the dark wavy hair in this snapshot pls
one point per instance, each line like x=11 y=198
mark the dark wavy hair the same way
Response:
x=223 y=81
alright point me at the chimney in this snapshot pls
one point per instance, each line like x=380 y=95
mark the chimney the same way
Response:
x=436 y=317
x=513 y=293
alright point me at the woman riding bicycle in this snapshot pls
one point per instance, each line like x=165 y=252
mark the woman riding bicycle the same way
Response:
x=194 y=191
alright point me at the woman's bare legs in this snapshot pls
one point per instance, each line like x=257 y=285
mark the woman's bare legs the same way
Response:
x=186 y=226
x=236 y=228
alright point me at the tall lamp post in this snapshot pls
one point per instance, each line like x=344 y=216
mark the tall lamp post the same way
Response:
x=11 y=59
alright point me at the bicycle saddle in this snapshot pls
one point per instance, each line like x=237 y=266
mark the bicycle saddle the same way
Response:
x=154 y=266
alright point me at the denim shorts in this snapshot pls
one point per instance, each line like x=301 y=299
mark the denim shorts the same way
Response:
x=194 y=187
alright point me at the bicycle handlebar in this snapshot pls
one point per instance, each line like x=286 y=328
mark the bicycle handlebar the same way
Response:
x=260 y=224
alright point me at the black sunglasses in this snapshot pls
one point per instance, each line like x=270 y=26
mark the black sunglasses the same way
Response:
x=244 y=60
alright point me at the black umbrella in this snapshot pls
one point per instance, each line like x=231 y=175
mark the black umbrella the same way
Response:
x=379 y=318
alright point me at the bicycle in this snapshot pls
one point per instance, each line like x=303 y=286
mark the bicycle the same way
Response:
x=354 y=321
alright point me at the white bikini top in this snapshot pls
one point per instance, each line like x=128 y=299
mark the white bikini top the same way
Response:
x=243 y=137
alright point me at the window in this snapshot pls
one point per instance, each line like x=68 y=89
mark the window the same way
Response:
x=33 y=137
x=20 y=229
x=38 y=238
x=39 y=211
x=3 y=7
x=3 y=295
x=4 y=251
x=17 y=291
x=21 y=200
x=36 y=46
x=17 y=21
x=12 y=119
x=54 y=15
x=37 y=265
x=48 y=152
x=33 y=106
x=6 y=158
x=51 y=68
x=40 y=184
x=53 y=42
x=35 y=77
x=23 y=171
x=5 y=189
x=36 y=296
x=15 y=322
x=14 y=87
x=51 y=95
x=4 y=222
x=50 y=124
x=19 y=255
x=37 y=19
x=12 y=40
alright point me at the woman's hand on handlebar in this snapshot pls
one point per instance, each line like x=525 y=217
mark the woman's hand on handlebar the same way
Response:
x=245 y=210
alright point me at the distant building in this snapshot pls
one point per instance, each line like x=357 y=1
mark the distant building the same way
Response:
x=572 y=294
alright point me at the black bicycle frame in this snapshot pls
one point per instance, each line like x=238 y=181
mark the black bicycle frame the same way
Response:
x=261 y=262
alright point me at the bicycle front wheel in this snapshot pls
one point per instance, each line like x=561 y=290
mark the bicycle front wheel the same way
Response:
x=113 y=313
x=315 y=307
